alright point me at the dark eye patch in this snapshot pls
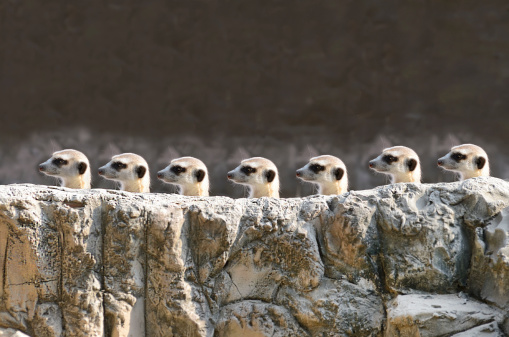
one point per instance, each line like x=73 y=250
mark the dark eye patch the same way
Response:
x=316 y=168
x=177 y=169
x=118 y=166
x=59 y=162
x=389 y=159
x=247 y=170
x=457 y=157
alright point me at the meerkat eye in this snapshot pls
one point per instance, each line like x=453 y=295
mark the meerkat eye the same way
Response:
x=177 y=169
x=458 y=156
x=389 y=159
x=247 y=170
x=317 y=168
x=59 y=162
x=118 y=166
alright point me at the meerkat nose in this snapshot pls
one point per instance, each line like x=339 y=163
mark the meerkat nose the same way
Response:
x=440 y=163
x=101 y=172
x=41 y=167
x=371 y=164
x=159 y=175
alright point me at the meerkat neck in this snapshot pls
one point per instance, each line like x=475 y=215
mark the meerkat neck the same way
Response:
x=267 y=190
x=137 y=186
x=78 y=182
x=472 y=174
x=330 y=189
x=410 y=177
x=200 y=190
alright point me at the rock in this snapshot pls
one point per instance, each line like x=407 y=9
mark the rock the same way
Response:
x=490 y=261
x=254 y=318
x=437 y=315
x=11 y=333
x=112 y=263
x=336 y=308
x=486 y=330
x=426 y=232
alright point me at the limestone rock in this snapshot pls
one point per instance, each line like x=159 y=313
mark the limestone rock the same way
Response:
x=384 y=262
x=336 y=308
x=11 y=333
x=254 y=318
x=485 y=330
x=490 y=261
x=437 y=315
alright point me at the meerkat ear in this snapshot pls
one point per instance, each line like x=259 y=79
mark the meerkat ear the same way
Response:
x=338 y=173
x=200 y=174
x=480 y=162
x=270 y=174
x=82 y=167
x=412 y=164
x=140 y=171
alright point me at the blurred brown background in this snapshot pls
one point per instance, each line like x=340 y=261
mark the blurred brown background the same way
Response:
x=226 y=80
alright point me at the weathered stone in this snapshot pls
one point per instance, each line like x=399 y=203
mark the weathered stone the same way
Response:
x=489 y=277
x=110 y=263
x=254 y=318
x=437 y=315
x=336 y=308
x=11 y=333
x=349 y=238
x=486 y=330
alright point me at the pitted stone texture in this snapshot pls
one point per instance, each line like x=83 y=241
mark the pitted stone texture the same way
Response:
x=336 y=308
x=489 y=277
x=257 y=319
x=423 y=245
x=101 y=263
x=426 y=231
x=349 y=238
x=50 y=246
x=437 y=315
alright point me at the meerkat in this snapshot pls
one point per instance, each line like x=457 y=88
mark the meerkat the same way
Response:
x=467 y=160
x=400 y=162
x=328 y=172
x=70 y=166
x=130 y=170
x=259 y=174
x=189 y=173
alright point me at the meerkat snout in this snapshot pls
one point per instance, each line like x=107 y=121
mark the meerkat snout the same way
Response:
x=328 y=172
x=70 y=166
x=189 y=173
x=400 y=163
x=467 y=160
x=259 y=174
x=130 y=170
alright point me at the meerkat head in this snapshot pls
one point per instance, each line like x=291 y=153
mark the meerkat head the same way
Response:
x=71 y=166
x=400 y=162
x=259 y=174
x=189 y=173
x=468 y=160
x=328 y=172
x=130 y=170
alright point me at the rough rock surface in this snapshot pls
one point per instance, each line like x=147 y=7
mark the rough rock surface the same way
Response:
x=398 y=260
